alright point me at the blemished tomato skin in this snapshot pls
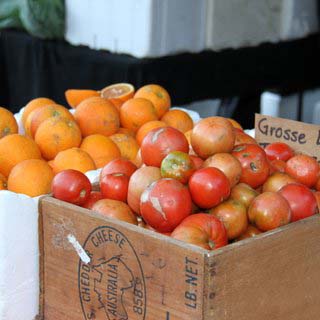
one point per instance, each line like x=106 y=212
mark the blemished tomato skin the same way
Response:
x=304 y=169
x=249 y=233
x=233 y=214
x=301 y=200
x=93 y=198
x=159 y=142
x=268 y=211
x=164 y=204
x=278 y=151
x=119 y=165
x=203 y=230
x=177 y=165
x=243 y=193
x=241 y=137
x=208 y=187
x=71 y=186
x=115 y=186
x=254 y=163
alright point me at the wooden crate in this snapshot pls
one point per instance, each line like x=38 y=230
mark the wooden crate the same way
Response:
x=137 y=274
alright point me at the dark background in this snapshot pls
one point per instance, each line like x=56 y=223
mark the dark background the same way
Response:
x=30 y=68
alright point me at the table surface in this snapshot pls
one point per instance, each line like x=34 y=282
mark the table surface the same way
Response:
x=31 y=67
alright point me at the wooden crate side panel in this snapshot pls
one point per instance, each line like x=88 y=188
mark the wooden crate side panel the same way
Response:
x=274 y=276
x=132 y=274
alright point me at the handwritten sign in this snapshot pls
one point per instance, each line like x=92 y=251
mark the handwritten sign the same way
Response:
x=302 y=137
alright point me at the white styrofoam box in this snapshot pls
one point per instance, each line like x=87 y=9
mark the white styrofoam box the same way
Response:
x=141 y=28
x=238 y=23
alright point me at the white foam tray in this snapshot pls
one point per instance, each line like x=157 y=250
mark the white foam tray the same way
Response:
x=151 y=28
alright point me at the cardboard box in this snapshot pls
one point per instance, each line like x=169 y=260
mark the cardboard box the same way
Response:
x=138 y=274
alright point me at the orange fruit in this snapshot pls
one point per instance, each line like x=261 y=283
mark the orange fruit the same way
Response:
x=8 y=123
x=158 y=95
x=126 y=131
x=118 y=93
x=15 y=148
x=33 y=105
x=136 y=112
x=235 y=123
x=146 y=128
x=74 y=158
x=178 y=119
x=57 y=134
x=101 y=149
x=41 y=114
x=3 y=182
x=127 y=144
x=32 y=177
x=76 y=96
x=97 y=115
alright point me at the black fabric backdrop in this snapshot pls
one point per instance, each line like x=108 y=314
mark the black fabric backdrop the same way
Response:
x=30 y=67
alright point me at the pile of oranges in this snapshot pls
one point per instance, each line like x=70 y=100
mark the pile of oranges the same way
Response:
x=100 y=126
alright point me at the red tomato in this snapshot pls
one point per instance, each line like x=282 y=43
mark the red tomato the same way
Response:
x=243 y=193
x=197 y=161
x=115 y=186
x=249 y=233
x=268 y=211
x=276 y=181
x=159 y=142
x=277 y=166
x=212 y=135
x=303 y=168
x=116 y=210
x=302 y=201
x=242 y=137
x=139 y=181
x=153 y=229
x=203 y=230
x=71 y=186
x=317 y=196
x=233 y=214
x=317 y=185
x=208 y=187
x=278 y=151
x=177 y=165
x=164 y=204
x=228 y=164
x=255 y=167
x=93 y=198
x=119 y=165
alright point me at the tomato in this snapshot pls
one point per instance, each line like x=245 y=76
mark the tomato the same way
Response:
x=139 y=181
x=115 y=186
x=243 y=193
x=302 y=201
x=303 y=168
x=71 y=186
x=164 y=204
x=269 y=210
x=276 y=181
x=177 y=165
x=317 y=185
x=241 y=137
x=208 y=187
x=159 y=142
x=203 y=230
x=119 y=165
x=228 y=164
x=115 y=209
x=255 y=167
x=233 y=214
x=249 y=233
x=153 y=229
x=317 y=196
x=197 y=161
x=278 y=151
x=92 y=199
x=277 y=166
x=212 y=135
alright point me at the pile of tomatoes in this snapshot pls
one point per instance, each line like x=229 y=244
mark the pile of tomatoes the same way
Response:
x=219 y=187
